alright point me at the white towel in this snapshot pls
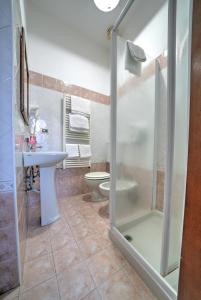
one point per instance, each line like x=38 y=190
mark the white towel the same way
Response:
x=72 y=150
x=85 y=151
x=136 y=52
x=78 y=123
x=80 y=105
x=134 y=57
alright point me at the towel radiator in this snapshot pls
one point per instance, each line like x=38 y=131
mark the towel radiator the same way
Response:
x=73 y=137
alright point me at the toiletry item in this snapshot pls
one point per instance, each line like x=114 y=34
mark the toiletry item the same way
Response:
x=42 y=135
x=32 y=140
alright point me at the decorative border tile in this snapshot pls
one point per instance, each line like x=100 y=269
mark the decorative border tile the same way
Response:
x=147 y=73
x=6 y=186
x=60 y=86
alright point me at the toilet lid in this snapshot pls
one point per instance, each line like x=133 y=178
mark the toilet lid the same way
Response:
x=97 y=175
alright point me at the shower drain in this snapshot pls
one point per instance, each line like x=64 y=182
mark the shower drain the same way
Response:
x=128 y=237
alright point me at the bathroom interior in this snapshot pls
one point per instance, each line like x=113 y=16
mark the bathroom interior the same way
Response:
x=95 y=157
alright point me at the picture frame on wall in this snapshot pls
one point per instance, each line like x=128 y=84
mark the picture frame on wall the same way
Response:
x=24 y=79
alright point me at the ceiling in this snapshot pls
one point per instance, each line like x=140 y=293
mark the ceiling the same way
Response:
x=81 y=15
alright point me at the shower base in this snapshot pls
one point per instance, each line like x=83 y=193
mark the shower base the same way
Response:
x=151 y=226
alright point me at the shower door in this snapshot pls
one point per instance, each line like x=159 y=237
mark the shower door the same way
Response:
x=179 y=116
x=150 y=133
x=140 y=98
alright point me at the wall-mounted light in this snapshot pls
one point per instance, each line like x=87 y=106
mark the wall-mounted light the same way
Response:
x=106 y=5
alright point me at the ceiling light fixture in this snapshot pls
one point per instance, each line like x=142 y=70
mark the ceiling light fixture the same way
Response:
x=106 y=5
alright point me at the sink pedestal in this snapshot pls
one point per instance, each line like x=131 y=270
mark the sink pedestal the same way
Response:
x=47 y=163
x=49 y=206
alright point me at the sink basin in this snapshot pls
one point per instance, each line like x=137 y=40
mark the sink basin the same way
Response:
x=43 y=159
x=47 y=163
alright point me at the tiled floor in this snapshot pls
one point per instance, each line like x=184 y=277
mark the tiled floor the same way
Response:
x=74 y=258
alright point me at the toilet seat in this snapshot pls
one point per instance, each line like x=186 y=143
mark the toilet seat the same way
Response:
x=97 y=175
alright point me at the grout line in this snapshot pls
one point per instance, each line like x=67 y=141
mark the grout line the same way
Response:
x=58 y=290
x=5 y=27
x=24 y=291
x=88 y=294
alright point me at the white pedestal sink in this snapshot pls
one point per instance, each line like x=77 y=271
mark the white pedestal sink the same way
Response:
x=47 y=162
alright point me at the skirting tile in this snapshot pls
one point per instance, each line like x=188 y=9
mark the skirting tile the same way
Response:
x=9 y=274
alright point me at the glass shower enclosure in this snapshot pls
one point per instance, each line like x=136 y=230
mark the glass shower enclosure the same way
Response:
x=149 y=131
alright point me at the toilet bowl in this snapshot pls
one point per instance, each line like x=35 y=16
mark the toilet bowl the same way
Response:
x=94 y=179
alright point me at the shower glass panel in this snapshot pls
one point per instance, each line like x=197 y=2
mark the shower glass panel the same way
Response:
x=140 y=145
x=180 y=134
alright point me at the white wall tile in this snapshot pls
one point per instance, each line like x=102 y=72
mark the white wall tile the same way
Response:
x=5 y=13
x=6 y=102
x=5 y=53
x=6 y=151
x=50 y=107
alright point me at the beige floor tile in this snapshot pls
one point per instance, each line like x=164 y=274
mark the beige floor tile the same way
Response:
x=76 y=220
x=36 y=247
x=141 y=288
x=67 y=256
x=73 y=202
x=104 y=233
x=91 y=245
x=107 y=222
x=103 y=212
x=47 y=290
x=59 y=226
x=61 y=239
x=70 y=212
x=94 y=295
x=11 y=295
x=75 y=282
x=36 y=230
x=66 y=218
x=82 y=204
x=87 y=211
x=104 y=264
x=39 y=233
x=118 y=287
x=81 y=231
x=98 y=222
x=34 y=216
x=37 y=271
x=97 y=206
x=64 y=203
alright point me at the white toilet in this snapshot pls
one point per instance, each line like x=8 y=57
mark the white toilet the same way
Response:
x=94 y=179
